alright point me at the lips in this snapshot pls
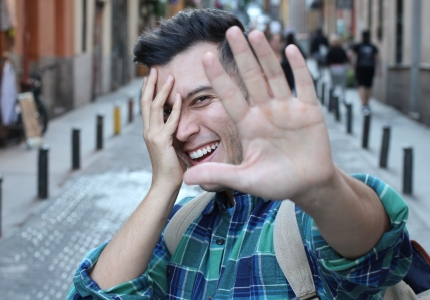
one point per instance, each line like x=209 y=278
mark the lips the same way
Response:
x=201 y=153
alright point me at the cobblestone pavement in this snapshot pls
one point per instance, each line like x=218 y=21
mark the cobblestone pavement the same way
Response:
x=38 y=261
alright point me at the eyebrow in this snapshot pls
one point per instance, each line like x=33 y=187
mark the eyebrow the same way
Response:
x=198 y=90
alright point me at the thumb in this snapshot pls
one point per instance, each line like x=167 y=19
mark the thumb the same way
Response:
x=214 y=173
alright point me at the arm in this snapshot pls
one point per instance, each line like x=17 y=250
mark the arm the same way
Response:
x=129 y=252
x=292 y=158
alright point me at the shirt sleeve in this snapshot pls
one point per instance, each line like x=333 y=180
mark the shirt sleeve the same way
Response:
x=385 y=265
x=152 y=284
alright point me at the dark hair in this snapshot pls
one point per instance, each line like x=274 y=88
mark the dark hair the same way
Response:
x=365 y=35
x=158 y=46
x=291 y=39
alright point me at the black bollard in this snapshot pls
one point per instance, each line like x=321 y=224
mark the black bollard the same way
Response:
x=1 y=181
x=383 y=158
x=76 y=164
x=315 y=84
x=408 y=160
x=322 y=97
x=130 y=110
x=330 y=99
x=42 y=180
x=336 y=108
x=349 y=118
x=366 y=127
x=99 y=132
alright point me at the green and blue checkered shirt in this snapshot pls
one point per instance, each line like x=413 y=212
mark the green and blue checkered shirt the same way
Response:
x=228 y=253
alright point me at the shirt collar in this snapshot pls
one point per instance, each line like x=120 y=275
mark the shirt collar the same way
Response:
x=220 y=199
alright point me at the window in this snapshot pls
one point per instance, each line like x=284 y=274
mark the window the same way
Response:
x=380 y=19
x=84 y=25
x=399 y=32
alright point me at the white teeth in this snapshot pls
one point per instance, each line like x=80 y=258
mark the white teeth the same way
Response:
x=199 y=153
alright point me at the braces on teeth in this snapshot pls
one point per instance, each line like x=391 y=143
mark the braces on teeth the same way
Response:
x=203 y=151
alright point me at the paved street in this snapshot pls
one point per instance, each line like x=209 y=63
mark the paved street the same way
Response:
x=38 y=258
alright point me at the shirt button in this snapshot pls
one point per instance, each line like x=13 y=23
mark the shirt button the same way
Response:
x=220 y=241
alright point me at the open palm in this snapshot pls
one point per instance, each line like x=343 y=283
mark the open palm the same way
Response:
x=286 y=149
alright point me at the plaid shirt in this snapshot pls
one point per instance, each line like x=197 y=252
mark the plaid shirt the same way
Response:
x=228 y=253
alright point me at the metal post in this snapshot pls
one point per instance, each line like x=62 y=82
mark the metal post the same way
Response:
x=315 y=84
x=1 y=181
x=76 y=164
x=385 y=146
x=99 y=132
x=407 y=169
x=117 y=119
x=336 y=108
x=130 y=110
x=330 y=99
x=349 y=118
x=322 y=93
x=366 y=127
x=42 y=180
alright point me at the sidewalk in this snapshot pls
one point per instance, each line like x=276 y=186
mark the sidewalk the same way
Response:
x=18 y=165
x=38 y=259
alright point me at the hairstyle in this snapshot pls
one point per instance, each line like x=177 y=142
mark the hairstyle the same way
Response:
x=365 y=35
x=335 y=40
x=291 y=39
x=158 y=46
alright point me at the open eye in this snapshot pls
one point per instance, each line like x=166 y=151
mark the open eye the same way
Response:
x=166 y=113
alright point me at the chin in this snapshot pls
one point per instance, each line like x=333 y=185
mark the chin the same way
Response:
x=213 y=188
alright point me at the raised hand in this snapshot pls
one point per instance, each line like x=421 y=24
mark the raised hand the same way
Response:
x=286 y=149
x=167 y=168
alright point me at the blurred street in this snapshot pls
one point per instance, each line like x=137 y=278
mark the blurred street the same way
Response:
x=82 y=67
x=39 y=254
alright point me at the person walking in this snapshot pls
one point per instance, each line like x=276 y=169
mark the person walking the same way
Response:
x=337 y=61
x=319 y=48
x=367 y=61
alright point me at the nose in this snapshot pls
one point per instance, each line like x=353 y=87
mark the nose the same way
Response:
x=188 y=126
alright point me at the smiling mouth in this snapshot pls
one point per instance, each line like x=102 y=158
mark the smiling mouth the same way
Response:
x=202 y=153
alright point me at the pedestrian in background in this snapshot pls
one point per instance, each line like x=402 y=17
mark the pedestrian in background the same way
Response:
x=337 y=62
x=275 y=41
x=319 y=49
x=366 y=63
x=290 y=40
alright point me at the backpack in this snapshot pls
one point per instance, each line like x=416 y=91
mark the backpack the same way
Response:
x=292 y=257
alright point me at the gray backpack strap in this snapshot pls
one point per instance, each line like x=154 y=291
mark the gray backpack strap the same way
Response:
x=290 y=252
x=183 y=219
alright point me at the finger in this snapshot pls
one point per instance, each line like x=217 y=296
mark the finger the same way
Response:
x=213 y=173
x=227 y=90
x=248 y=66
x=303 y=80
x=156 y=116
x=147 y=96
x=270 y=65
x=173 y=120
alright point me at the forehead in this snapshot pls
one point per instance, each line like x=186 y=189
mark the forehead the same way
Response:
x=187 y=69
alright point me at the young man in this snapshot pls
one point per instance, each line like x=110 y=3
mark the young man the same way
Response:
x=233 y=126
x=366 y=63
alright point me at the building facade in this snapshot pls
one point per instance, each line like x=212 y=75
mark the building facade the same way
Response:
x=398 y=29
x=90 y=43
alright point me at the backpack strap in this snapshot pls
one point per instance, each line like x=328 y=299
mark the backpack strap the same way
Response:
x=183 y=219
x=290 y=252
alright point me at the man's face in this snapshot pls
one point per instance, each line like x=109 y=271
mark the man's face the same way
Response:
x=205 y=132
